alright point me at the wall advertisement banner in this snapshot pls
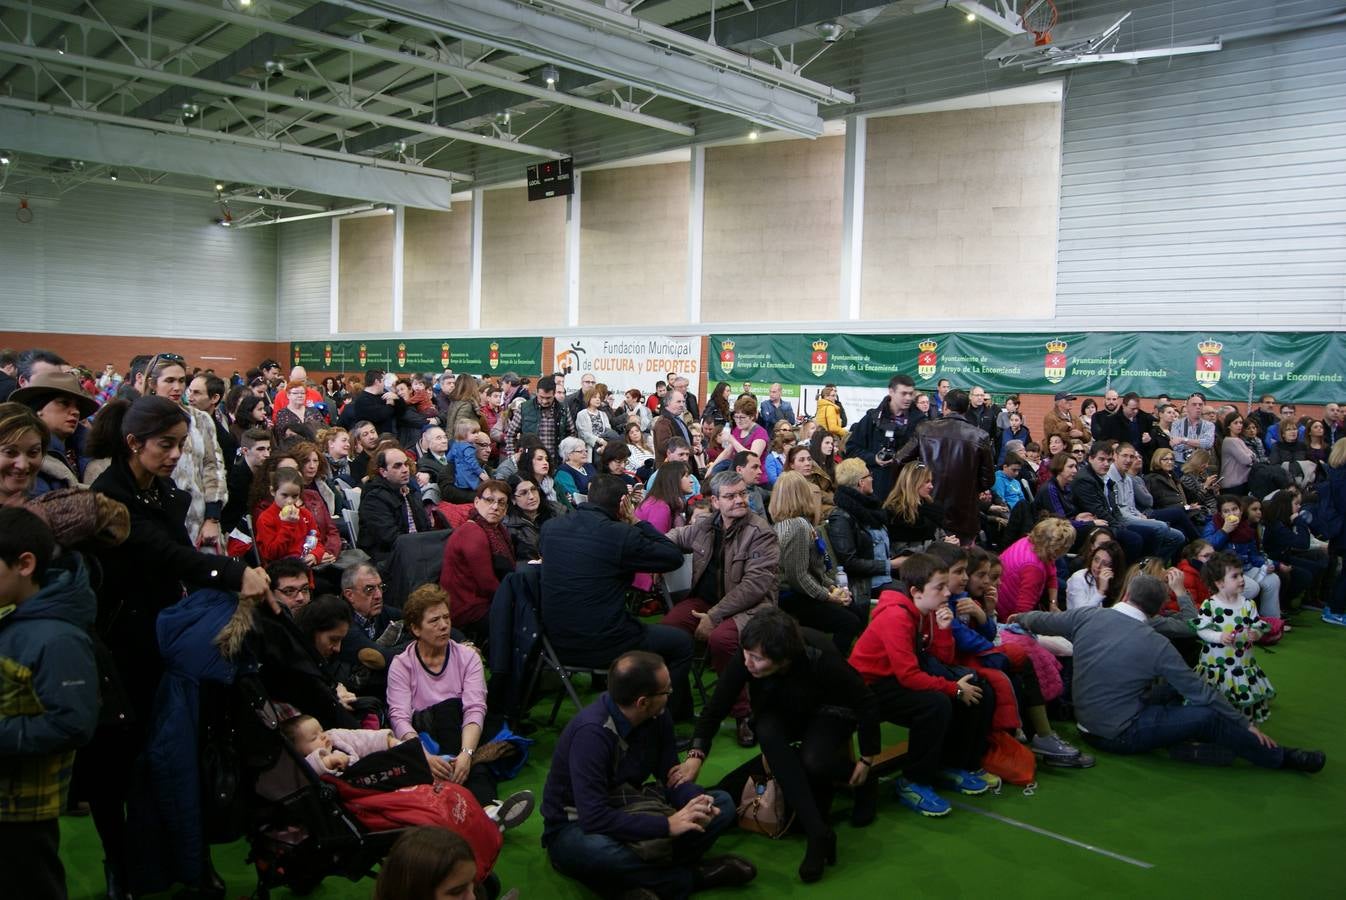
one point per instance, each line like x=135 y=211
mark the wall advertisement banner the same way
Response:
x=630 y=361
x=1295 y=367
x=480 y=356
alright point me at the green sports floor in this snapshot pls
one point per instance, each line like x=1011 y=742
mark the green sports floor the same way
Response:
x=1130 y=827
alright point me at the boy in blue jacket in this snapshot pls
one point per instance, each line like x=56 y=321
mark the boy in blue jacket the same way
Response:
x=48 y=698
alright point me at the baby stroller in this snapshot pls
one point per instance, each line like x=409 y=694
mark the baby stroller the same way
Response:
x=297 y=832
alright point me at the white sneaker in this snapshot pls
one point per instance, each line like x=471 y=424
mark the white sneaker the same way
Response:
x=1052 y=745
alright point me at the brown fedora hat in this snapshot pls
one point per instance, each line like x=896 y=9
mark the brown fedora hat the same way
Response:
x=49 y=385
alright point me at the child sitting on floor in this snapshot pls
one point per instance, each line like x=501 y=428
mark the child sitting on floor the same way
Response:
x=1229 y=628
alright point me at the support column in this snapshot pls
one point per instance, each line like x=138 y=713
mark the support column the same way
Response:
x=399 y=243
x=474 y=278
x=334 y=280
x=573 y=253
x=696 y=209
x=852 y=219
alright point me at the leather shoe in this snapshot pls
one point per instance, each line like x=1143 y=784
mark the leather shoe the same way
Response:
x=745 y=736
x=866 y=803
x=1304 y=760
x=724 y=871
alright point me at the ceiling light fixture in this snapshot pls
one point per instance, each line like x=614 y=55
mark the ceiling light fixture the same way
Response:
x=972 y=17
x=112 y=175
x=550 y=76
x=752 y=135
x=219 y=187
x=274 y=67
x=245 y=3
x=4 y=157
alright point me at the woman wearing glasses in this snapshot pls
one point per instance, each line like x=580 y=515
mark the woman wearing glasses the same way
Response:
x=477 y=556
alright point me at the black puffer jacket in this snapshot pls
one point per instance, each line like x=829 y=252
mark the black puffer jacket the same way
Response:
x=847 y=527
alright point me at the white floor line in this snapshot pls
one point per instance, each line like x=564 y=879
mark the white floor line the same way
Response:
x=1052 y=834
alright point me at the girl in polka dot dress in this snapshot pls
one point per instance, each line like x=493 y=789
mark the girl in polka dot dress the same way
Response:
x=1229 y=627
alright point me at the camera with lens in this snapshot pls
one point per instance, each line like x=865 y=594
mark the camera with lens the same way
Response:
x=884 y=455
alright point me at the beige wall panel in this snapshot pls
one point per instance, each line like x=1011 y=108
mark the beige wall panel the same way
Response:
x=633 y=245
x=365 y=286
x=436 y=268
x=772 y=239
x=961 y=212
x=522 y=261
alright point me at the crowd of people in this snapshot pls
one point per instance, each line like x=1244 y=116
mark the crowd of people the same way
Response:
x=929 y=563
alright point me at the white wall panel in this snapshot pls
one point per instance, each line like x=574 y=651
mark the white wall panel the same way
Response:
x=304 y=280
x=115 y=261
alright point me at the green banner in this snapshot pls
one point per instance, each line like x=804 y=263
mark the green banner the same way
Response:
x=480 y=356
x=1299 y=367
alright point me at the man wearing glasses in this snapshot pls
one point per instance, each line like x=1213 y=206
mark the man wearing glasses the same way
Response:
x=734 y=559
x=622 y=744
x=290 y=583
x=362 y=587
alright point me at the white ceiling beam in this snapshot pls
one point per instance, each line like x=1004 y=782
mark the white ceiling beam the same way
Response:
x=62 y=136
x=478 y=76
x=675 y=65
x=220 y=88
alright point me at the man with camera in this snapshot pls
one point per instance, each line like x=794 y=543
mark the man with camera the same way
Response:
x=885 y=428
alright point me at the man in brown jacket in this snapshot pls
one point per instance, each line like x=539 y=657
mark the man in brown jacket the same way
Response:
x=734 y=560
x=669 y=424
x=961 y=463
x=1060 y=421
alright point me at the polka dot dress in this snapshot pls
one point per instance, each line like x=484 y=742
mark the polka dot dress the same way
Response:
x=1232 y=669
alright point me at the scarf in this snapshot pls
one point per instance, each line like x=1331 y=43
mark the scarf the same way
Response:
x=866 y=511
x=502 y=549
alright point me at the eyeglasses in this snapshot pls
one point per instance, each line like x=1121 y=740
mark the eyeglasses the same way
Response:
x=494 y=501
x=667 y=693
x=293 y=592
x=171 y=357
x=525 y=492
x=370 y=590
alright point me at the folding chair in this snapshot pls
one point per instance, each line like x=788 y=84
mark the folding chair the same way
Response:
x=352 y=520
x=253 y=553
x=548 y=658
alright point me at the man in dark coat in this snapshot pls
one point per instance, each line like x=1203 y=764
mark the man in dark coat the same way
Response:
x=390 y=506
x=960 y=460
x=589 y=558
x=1131 y=425
x=885 y=428
x=374 y=405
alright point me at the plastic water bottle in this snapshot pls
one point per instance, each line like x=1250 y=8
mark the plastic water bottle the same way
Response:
x=310 y=543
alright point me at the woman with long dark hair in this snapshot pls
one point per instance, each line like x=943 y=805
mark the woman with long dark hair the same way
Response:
x=148 y=572
x=528 y=512
x=717 y=407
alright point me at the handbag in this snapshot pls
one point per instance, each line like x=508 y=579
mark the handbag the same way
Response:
x=645 y=801
x=1009 y=759
x=762 y=808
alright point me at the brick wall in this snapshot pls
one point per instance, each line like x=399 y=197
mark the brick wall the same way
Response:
x=93 y=350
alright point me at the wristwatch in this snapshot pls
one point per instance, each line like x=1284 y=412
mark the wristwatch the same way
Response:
x=959 y=694
x=469 y=750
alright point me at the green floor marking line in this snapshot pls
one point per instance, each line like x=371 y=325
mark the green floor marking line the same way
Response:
x=1141 y=864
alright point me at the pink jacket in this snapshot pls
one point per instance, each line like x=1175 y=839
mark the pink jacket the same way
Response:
x=352 y=742
x=411 y=688
x=657 y=513
x=1024 y=579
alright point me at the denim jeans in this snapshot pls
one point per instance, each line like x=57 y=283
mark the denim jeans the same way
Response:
x=1161 y=539
x=607 y=866
x=1166 y=721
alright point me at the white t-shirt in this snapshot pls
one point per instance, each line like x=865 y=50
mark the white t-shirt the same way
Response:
x=1081 y=593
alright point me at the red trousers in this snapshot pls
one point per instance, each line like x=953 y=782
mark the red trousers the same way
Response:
x=723 y=641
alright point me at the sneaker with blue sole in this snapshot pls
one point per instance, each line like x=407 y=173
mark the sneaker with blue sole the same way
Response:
x=964 y=782
x=992 y=780
x=1332 y=618
x=921 y=799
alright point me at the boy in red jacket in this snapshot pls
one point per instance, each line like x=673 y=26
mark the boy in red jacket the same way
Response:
x=947 y=713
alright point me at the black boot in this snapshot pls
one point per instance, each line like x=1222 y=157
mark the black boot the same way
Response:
x=821 y=849
x=866 y=803
x=116 y=882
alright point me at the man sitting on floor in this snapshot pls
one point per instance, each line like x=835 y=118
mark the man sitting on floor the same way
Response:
x=602 y=766
x=1118 y=656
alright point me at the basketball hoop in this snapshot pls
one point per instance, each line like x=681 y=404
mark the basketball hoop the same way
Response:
x=1039 y=19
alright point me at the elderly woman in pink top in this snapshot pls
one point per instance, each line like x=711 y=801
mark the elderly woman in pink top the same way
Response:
x=1029 y=568
x=438 y=686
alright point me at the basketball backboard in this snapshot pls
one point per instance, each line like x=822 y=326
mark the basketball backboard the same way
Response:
x=1095 y=34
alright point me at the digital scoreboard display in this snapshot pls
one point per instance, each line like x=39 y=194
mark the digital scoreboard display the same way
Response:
x=551 y=179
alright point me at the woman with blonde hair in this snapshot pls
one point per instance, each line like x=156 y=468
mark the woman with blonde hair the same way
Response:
x=1029 y=568
x=830 y=414
x=808 y=586
x=915 y=518
x=1199 y=482
x=857 y=527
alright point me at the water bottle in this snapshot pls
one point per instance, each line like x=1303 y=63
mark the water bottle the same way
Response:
x=310 y=543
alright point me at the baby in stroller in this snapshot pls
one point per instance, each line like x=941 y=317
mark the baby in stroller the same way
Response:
x=330 y=752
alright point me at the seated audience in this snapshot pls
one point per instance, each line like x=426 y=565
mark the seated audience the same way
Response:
x=1236 y=457
x=858 y=529
x=286 y=528
x=528 y=512
x=904 y=655
x=603 y=764
x=735 y=555
x=592 y=420
x=375 y=628
x=590 y=557
x=477 y=556
x=808 y=587
x=1119 y=657
x=915 y=518
x=1098 y=583
x=1029 y=568
x=574 y=472
x=390 y=506
x=799 y=693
